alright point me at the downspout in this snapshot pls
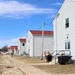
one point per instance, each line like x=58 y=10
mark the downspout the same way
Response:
x=33 y=47
x=56 y=38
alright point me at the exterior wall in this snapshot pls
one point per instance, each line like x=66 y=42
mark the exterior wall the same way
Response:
x=29 y=44
x=21 y=48
x=10 y=51
x=61 y=32
x=16 y=52
x=34 y=44
x=47 y=45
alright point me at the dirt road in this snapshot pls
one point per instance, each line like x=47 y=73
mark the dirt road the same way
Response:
x=8 y=68
x=14 y=66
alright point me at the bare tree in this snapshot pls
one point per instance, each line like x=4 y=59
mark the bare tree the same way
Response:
x=4 y=48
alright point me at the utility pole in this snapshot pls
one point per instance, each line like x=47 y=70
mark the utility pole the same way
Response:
x=43 y=24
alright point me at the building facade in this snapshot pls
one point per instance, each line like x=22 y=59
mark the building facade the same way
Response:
x=35 y=43
x=13 y=49
x=22 y=46
x=64 y=28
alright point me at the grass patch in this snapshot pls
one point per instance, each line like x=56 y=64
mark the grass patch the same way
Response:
x=57 y=69
x=30 y=60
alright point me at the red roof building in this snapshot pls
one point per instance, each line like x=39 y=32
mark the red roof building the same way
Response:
x=13 y=48
x=35 y=43
x=22 y=46
x=22 y=40
x=38 y=32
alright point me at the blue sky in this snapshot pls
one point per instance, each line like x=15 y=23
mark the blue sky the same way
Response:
x=17 y=17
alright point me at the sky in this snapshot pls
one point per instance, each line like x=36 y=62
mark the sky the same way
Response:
x=17 y=17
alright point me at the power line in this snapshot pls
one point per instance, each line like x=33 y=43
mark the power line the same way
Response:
x=53 y=18
x=56 y=15
x=50 y=22
x=47 y=23
x=40 y=28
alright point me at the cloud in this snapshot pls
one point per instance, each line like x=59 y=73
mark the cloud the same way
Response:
x=8 y=42
x=57 y=3
x=17 y=9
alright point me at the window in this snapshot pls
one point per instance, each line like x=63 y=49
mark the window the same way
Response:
x=67 y=45
x=23 y=44
x=67 y=23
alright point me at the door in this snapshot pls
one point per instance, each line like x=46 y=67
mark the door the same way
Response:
x=67 y=47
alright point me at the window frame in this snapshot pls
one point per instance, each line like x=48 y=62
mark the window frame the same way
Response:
x=23 y=44
x=67 y=22
x=67 y=45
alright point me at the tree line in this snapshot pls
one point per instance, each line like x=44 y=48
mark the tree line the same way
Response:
x=4 y=49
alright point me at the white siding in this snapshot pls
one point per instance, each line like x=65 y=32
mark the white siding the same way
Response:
x=21 y=48
x=34 y=44
x=16 y=52
x=48 y=45
x=10 y=51
x=29 y=42
x=60 y=32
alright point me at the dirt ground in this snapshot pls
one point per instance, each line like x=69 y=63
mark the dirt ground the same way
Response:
x=58 y=69
x=52 y=69
x=7 y=68
x=1 y=67
x=30 y=60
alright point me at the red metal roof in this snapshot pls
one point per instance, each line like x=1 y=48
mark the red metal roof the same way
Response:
x=22 y=40
x=13 y=47
x=37 y=32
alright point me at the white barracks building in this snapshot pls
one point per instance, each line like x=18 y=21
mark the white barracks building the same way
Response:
x=34 y=42
x=22 y=46
x=64 y=28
